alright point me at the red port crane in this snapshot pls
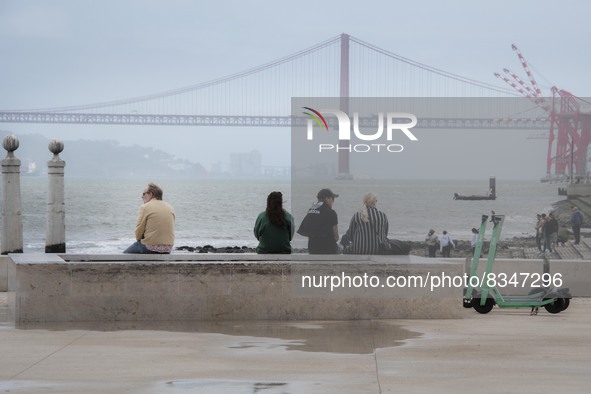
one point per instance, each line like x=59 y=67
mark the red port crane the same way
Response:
x=570 y=122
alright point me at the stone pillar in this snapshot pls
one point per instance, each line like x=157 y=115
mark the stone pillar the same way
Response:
x=12 y=225
x=55 y=237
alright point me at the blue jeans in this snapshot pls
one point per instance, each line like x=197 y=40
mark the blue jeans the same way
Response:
x=138 y=248
x=548 y=242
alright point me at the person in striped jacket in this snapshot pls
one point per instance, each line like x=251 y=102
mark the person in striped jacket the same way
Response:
x=368 y=228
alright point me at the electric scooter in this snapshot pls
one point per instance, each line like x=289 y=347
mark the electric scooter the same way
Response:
x=483 y=296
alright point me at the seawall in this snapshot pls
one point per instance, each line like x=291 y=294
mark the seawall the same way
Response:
x=45 y=288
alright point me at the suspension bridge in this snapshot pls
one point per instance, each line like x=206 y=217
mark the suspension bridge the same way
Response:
x=343 y=66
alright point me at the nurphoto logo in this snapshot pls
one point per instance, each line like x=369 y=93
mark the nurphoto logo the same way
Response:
x=394 y=121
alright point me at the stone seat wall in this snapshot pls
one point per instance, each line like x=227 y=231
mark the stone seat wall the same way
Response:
x=178 y=287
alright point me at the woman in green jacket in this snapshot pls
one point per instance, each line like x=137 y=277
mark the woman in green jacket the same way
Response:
x=274 y=228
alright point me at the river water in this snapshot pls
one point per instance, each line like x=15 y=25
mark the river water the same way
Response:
x=101 y=213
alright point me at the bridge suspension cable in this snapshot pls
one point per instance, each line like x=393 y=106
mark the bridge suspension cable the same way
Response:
x=199 y=86
x=266 y=90
x=434 y=70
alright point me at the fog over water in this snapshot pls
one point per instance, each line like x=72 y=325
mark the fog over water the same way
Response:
x=67 y=52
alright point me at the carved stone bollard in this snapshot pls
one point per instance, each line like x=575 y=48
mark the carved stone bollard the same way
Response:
x=12 y=225
x=55 y=236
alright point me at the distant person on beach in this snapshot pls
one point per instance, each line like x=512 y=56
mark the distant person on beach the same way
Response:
x=446 y=244
x=368 y=228
x=576 y=220
x=474 y=240
x=274 y=228
x=154 y=230
x=550 y=230
x=432 y=241
x=539 y=233
x=556 y=218
x=320 y=225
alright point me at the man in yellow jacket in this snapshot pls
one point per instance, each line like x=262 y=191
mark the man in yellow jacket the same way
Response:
x=154 y=230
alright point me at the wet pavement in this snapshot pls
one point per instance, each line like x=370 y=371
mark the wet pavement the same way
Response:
x=505 y=351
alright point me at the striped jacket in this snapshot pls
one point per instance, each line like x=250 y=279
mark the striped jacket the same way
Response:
x=365 y=237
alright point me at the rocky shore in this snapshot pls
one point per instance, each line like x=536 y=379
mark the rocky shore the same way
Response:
x=418 y=248
x=561 y=208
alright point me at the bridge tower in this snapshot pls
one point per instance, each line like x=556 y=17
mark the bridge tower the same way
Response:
x=344 y=98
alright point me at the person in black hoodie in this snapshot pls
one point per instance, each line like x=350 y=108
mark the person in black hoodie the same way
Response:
x=320 y=225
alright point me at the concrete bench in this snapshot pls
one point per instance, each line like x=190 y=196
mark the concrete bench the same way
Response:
x=3 y=273
x=184 y=287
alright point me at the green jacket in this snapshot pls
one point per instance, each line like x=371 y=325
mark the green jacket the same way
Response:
x=273 y=239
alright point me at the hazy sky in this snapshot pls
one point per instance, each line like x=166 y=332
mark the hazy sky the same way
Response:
x=72 y=52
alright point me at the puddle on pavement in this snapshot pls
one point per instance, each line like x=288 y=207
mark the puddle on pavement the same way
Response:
x=228 y=387
x=350 y=337
x=180 y=386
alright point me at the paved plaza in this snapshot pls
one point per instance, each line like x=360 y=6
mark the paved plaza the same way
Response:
x=505 y=351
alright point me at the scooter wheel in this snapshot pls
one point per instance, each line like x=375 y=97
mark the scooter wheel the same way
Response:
x=556 y=307
x=487 y=307
x=467 y=303
x=566 y=303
